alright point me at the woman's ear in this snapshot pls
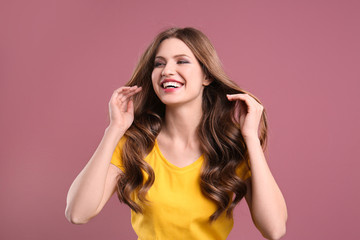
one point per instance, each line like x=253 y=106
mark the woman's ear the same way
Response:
x=207 y=81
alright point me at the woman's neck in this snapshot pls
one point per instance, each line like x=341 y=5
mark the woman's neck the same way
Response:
x=181 y=124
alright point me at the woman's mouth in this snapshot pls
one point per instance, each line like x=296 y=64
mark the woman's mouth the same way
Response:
x=171 y=85
x=168 y=85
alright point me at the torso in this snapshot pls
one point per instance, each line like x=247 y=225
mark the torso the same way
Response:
x=176 y=207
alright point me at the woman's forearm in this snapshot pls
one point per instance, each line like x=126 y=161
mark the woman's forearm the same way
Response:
x=87 y=190
x=268 y=205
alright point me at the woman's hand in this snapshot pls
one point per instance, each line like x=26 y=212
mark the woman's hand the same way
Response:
x=121 y=107
x=248 y=114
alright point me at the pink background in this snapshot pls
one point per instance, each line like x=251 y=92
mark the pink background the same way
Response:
x=61 y=60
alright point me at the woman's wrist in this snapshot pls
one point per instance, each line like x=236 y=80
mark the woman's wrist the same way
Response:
x=115 y=130
x=251 y=139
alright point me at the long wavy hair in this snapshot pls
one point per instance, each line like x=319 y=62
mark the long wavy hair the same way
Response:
x=219 y=132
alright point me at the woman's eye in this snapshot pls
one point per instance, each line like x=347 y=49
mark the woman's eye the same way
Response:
x=157 y=64
x=182 y=62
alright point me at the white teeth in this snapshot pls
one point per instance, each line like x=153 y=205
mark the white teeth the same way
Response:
x=171 y=84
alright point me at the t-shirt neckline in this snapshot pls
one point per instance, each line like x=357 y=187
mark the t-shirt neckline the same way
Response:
x=191 y=166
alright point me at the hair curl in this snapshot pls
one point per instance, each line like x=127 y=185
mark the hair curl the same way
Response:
x=220 y=137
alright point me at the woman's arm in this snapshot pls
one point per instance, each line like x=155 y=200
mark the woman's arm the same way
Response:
x=265 y=200
x=95 y=184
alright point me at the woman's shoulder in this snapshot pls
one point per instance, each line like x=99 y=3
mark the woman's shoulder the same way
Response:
x=116 y=158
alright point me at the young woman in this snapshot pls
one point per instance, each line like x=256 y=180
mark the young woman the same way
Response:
x=179 y=148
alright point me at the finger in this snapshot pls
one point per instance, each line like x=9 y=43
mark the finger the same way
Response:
x=122 y=99
x=243 y=107
x=241 y=96
x=120 y=89
x=117 y=93
x=130 y=93
x=130 y=106
x=123 y=91
x=115 y=102
x=129 y=101
x=237 y=96
x=133 y=91
x=249 y=100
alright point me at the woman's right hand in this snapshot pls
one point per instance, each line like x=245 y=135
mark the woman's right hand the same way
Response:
x=121 y=107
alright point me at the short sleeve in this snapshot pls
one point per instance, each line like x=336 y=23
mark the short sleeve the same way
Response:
x=116 y=157
x=243 y=171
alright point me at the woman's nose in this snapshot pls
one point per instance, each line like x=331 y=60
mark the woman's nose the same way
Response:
x=168 y=70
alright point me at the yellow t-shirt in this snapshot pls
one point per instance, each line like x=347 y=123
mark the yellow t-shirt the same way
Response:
x=177 y=208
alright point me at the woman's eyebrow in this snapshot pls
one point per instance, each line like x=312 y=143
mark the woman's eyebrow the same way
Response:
x=176 y=56
x=181 y=55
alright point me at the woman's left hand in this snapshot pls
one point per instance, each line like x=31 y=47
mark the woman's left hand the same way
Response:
x=248 y=115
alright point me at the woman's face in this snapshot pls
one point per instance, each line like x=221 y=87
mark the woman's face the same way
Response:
x=177 y=76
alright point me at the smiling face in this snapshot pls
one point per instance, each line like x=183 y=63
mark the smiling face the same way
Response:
x=177 y=76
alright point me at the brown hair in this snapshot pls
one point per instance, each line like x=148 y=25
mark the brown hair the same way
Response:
x=220 y=137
